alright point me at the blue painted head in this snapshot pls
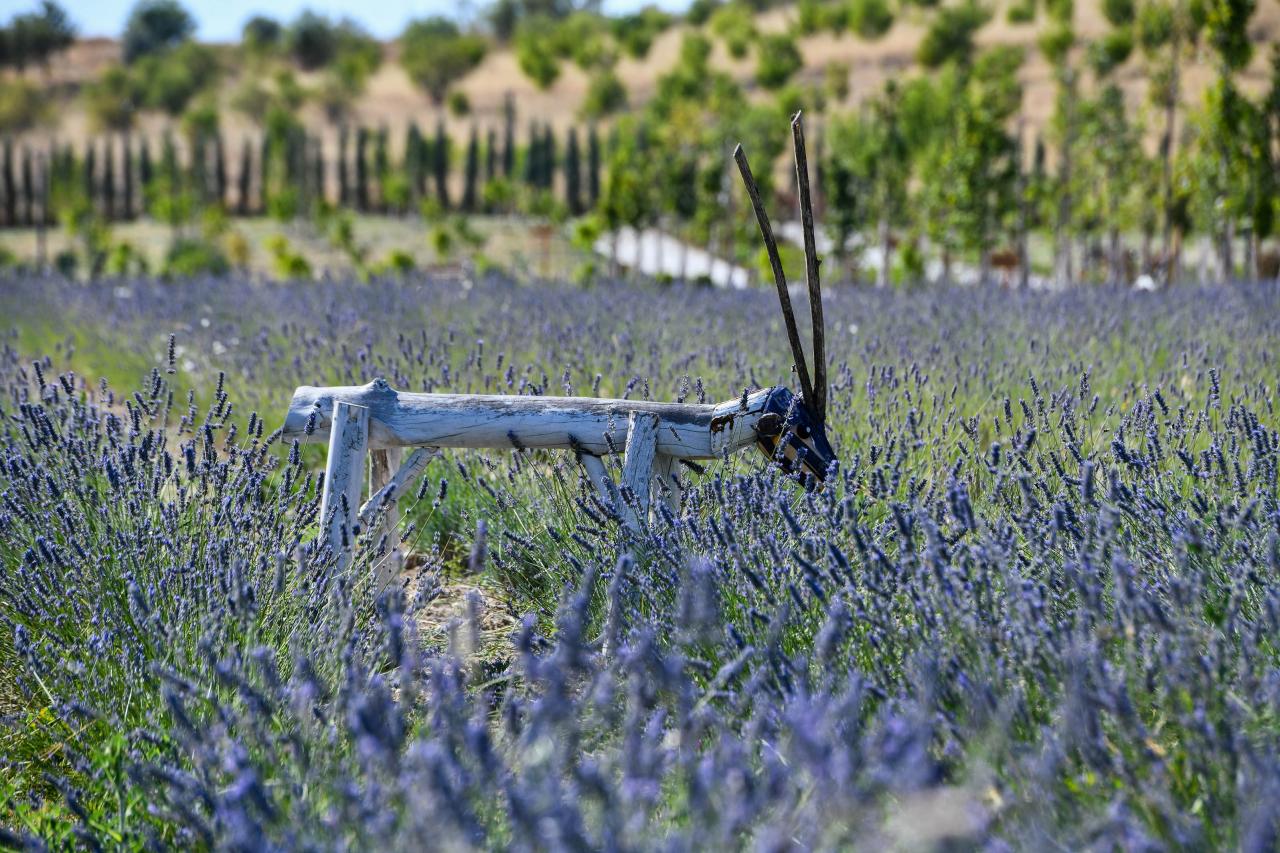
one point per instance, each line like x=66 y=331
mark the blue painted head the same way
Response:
x=791 y=434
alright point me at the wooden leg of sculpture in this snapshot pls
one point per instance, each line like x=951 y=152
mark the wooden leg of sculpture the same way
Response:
x=637 y=464
x=383 y=464
x=665 y=486
x=344 y=479
x=600 y=478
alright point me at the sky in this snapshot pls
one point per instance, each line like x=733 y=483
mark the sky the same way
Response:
x=220 y=20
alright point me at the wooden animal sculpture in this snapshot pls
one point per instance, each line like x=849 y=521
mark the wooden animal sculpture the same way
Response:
x=654 y=437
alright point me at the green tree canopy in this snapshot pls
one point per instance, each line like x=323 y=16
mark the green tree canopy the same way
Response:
x=950 y=34
x=155 y=26
x=777 y=59
x=435 y=54
x=33 y=37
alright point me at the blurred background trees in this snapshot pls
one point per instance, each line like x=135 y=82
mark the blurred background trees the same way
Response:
x=930 y=172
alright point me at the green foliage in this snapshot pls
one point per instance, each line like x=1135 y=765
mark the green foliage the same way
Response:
x=154 y=27
x=201 y=121
x=735 y=25
x=111 y=100
x=1111 y=51
x=311 y=40
x=535 y=52
x=22 y=105
x=441 y=240
x=1227 y=30
x=397 y=262
x=584 y=38
x=33 y=37
x=287 y=263
x=1022 y=12
x=435 y=54
x=169 y=81
x=777 y=59
x=262 y=35
x=1119 y=13
x=870 y=19
x=950 y=34
x=835 y=78
x=635 y=32
x=605 y=96
x=628 y=197
x=1056 y=43
x=264 y=105
x=700 y=11
x=1107 y=172
x=189 y=257
x=1155 y=24
x=459 y=104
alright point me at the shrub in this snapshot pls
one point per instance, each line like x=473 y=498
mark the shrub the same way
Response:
x=1055 y=42
x=1022 y=12
x=125 y=260
x=397 y=262
x=1111 y=51
x=459 y=104
x=171 y=80
x=735 y=25
x=155 y=26
x=33 y=37
x=287 y=263
x=435 y=54
x=836 y=79
x=262 y=35
x=950 y=34
x=636 y=32
x=777 y=59
x=535 y=53
x=311 y=41
x=1119 y=13
x=1155 y=25
x=700 y=11
x=189 y=256
x=605 y=96
x=22 y=105
x=870 y=19
x=584 y=38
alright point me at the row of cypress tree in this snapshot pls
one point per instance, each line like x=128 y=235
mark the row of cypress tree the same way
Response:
x=287 y=172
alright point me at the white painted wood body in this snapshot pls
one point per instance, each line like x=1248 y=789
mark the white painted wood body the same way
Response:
x=585 y=424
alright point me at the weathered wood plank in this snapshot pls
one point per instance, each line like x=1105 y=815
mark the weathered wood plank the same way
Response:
x=585 y=424
x=637 y=463
x=344 y=478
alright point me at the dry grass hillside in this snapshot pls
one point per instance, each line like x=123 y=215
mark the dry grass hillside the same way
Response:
x=392 y=100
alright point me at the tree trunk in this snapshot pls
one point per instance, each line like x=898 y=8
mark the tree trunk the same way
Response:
x=1024 y=260
x=1114 y=254
x=882 y=274
x=1063 y=273
x=1226 y=253
x=1168 y=252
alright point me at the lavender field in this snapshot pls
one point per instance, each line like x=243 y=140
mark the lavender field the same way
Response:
x=1037 y=607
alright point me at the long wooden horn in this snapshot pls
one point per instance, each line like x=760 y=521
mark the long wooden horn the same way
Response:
x=779 y=277
x=818 y=399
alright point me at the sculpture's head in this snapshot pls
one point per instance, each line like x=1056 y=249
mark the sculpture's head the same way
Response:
x=791 y=433
x=793 y=429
